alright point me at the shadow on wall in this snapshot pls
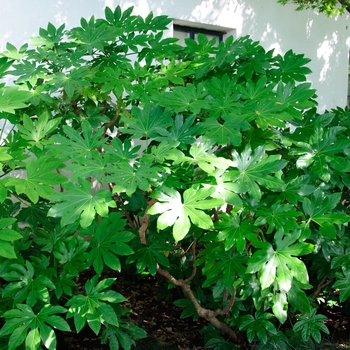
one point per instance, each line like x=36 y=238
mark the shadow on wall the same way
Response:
x=324 y=40
x=21 y=20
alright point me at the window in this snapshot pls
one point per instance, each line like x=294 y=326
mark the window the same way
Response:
x=186 y=29
x=183 y=32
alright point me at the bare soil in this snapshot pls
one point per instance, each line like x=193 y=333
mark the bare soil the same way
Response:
x=160 y=318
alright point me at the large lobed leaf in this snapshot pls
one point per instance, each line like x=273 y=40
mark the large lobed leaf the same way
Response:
x=280 y=264
x=78 y=203
x=180 y=214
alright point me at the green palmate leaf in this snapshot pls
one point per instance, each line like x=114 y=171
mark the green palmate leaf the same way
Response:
x=52 y=34
x=5 y=64
x=297 y=297
x=224 y=96
x=4 y=156
x=94 y=306
x=112 y=80
x=41 y=176
x=65 y=284
x=219 y=343
x=122 y=336
x=207 y=161
x=71 y=254
x=17 y=337
x=182 y=132
x=94 y=167
x=162 y=153
x=319 y=211
x=25 y=286
x=342 y=259
x=227 y=189
x=256 y=91
x=310 y=325
x=280 y=265
x=92 y=35
x=234 y=232
x=189 y=98
x=34 y=132
x=175 y=212
x=7 y=235
x=122 y=151
x=343 y=283
x=254 y=137
x=149 y=256
x=145 y=122
x=305 y=127
x=280 y=306
x=12 y=98
x=226 y=132
x=108 y=241
x=23 y=318
x=160 y=49
x=77 y=78
x=7 y=250
x=295 y=97
x=33 y=339
x=128 y=178
x=221 y=264
x=174 y=72
x=78 y=203
x=269 y=113
x=278 y=216
x=256 y=168
x=293 y=66
x=297 y=188
x=78 y=145
x=257 y=326
x=29 y=71
x=189 y=308
x=325 y=147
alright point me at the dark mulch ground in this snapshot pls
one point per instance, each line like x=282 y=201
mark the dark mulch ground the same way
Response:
x=161 y=319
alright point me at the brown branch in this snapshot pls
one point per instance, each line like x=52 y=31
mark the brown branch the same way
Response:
x=321 y=285
x=207 y=314
x=145 y=220
x=104 y=107
x=216 y=215
x=229 y=209
x=77 y=111
x=224 y=297
x=129 y=218
x=112 y=122
x=229 y=305
x=194 y=268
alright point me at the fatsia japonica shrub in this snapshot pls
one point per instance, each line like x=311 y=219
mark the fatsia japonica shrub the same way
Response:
x=205 y=164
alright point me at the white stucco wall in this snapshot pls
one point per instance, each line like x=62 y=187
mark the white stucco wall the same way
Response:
x=326 y=41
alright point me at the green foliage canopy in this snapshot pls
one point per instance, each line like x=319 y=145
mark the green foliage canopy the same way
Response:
x=329 y=7
x=206 y=164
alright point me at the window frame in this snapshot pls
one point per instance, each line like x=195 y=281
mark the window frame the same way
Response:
x=192 y=31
